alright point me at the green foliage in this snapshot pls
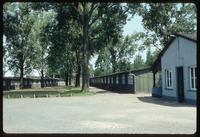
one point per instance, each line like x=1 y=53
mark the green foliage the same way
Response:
x=40 y=40
x=162 y=19
x=149 y=58
x=102 y=64
x=138 y=62
x=65 y=45
x=117 y=56
x=18 y=21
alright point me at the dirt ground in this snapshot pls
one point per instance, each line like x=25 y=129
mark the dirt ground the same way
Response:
x=105 y=112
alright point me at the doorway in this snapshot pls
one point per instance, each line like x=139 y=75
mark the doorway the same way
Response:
x=180 y=84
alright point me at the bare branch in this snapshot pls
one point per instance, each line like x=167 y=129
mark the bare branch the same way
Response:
x=157 y=47
x=110 y=5
x=97 y=17
x=124 y=12
x=80 y=16
x=93 y=7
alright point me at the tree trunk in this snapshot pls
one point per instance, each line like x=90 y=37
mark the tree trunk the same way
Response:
x=78 y=75
x=70 y=80
x=21 y=77
x=42 y=78
x=114 y=63
x=113 y=60
x=66 y=78
x=85 y=73
x=78 y=70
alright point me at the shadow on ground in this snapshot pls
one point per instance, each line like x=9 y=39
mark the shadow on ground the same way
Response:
x=113 y=91
x=102 y=92
x=109 y=90
x=164 y=102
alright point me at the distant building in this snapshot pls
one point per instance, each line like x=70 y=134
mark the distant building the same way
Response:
x=131 y=81
x=177 y=65
x=12 y=83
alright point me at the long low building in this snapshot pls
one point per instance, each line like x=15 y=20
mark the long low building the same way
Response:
x=140 y=80
x=12 y=83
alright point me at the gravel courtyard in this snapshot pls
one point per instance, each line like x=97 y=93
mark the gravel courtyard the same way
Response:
x=105 y=112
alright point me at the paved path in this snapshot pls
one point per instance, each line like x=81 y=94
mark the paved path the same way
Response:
x=105 y=112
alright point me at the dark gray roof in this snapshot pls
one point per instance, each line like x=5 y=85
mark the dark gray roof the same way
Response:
x=192 y=36
x=33 y=78
x=135 y=71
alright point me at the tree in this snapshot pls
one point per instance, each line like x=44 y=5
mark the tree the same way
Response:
x=65 y=32
x=5 y=56
x=138 y=62
x=119 y=56
x=162 y=19
x=64 y=48
x=18 y=21
x=87 y=14
x=40 y=41
x=76 y=42
x=92 y=16
x=102 y=63
x=60 y=57
x=149 y=58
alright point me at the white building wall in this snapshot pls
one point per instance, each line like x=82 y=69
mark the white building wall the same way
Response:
x=168 y=60
x=188 y=51
x=182 y=55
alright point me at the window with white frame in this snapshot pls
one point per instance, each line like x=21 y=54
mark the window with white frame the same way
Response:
x=169 y=80
x=193 y=78
x=117 y=79
x=123 y=79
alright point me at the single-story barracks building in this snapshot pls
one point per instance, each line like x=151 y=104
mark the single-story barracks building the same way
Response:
x=177 y=64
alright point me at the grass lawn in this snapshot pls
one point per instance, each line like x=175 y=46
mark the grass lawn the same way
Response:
x=59 y=91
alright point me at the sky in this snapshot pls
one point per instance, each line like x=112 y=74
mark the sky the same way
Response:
x=132 y=26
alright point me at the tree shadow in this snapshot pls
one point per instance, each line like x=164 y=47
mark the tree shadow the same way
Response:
x=163 y=102
x=101 y=91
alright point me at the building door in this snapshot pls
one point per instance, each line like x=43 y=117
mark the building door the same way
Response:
x=180 y=84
